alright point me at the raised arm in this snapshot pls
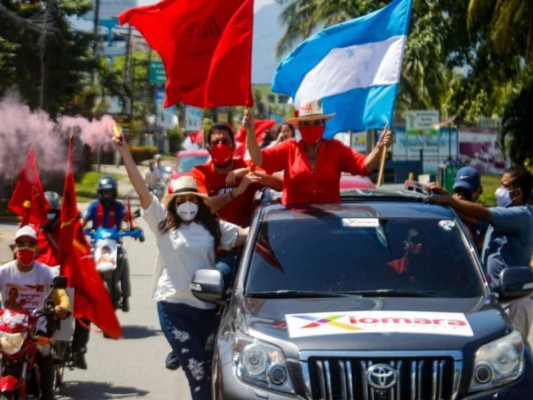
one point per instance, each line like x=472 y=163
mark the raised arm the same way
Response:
x=134 y=174
x=248 y=123
x=373 y=158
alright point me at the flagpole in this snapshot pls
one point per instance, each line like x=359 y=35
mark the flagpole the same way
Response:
x=382 y=162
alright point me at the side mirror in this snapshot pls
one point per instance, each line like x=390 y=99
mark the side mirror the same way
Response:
x=208 y=285
x=516 y=282
x=59 y=282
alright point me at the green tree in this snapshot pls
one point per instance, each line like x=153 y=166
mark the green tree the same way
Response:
x=450 y=63
x=46 y=59
x=516 y=125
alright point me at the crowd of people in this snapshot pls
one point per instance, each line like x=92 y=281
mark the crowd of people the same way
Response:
x=203 y=220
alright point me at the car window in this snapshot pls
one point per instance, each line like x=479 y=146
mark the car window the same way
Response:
x=350 y=255
x=189 y=162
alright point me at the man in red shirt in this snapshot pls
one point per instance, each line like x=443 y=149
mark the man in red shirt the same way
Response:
x=231 y=195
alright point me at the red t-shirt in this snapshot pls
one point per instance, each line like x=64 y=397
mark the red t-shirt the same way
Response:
x=301 y=183
x=239 y=210
x=48 y=249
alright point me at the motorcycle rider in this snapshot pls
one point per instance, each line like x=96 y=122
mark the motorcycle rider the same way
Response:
x=153 y=180
x=33 y=281
x=108 y=212
x=48 y=254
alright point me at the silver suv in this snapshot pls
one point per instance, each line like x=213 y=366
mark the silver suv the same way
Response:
x=379 y=297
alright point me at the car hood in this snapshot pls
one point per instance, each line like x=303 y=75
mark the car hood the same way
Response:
x=332 y=324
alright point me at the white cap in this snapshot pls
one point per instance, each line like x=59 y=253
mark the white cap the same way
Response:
x=26 y=231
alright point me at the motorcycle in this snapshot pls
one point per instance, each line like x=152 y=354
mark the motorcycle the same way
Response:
x=20 y=340
x=111 y=259
x=158 y=190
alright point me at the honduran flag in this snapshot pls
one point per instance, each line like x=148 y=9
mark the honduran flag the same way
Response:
x=354 y=67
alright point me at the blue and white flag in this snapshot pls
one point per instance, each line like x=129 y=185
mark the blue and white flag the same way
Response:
x=353 y=67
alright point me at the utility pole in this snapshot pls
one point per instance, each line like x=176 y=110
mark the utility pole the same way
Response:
x=96 y=37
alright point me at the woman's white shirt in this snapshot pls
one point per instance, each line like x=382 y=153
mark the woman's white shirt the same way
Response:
x=180 y=253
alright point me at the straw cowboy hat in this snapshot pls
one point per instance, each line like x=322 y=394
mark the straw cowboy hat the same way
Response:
x=310 y=111
x=184 y=185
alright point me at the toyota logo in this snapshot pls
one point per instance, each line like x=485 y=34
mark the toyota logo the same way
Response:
x=382 y=376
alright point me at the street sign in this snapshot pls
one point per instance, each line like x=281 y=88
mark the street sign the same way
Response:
x=421 y=122
x=157 y=73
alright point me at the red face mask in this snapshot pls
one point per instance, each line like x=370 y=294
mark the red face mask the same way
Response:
x=312 y=134
x=221 y=154
x=25 y=256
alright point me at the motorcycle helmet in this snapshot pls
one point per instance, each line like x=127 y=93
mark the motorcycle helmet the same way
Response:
x=54 y=202
x=106 y=183
x=53 y=199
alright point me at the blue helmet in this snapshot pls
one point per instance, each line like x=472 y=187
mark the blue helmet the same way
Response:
x=106 y=183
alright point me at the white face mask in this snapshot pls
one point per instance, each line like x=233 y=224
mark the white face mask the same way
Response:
x=187 y=211
x=503 y=197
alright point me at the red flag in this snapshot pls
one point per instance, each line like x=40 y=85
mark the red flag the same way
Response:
x=129 y=216
x=206 y=48
x=91 y=299
x=261 y=128
x=28 y=199
x=196 y=137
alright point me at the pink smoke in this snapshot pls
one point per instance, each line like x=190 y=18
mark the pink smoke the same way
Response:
x=20 y=128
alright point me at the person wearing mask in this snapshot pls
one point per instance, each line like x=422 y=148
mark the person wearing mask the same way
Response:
x=313 y=165
x=284 y=132
x=230 y=185
x=509 y=238
x=48 y=253
x=108 y=212
x=187 y=235
x=33 y=282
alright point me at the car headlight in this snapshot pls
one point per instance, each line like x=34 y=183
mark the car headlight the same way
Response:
x=11 y=342
x=261 y=364
x=498 y=362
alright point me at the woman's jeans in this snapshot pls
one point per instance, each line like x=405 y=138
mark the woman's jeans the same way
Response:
x=190 y=332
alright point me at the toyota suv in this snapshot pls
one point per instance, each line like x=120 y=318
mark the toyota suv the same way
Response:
x=379 y=297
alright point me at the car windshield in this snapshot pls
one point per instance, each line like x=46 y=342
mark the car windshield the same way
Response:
x=187 y=163
x=362 y=256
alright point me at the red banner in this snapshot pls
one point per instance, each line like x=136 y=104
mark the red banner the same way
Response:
x=91 y=298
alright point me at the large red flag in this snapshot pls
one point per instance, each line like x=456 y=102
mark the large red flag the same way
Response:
x=28 y=199
x=91 y=299
x=206 y=48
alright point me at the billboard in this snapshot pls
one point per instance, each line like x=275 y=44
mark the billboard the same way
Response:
x=421 y=122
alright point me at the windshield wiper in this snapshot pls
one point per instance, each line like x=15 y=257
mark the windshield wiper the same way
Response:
x=396 y=293
x=287 y=294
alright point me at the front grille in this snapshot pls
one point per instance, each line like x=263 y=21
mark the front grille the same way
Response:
x=384 y=377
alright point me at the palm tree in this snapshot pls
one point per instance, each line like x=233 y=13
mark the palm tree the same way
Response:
x=516 y=126
x=508 y=24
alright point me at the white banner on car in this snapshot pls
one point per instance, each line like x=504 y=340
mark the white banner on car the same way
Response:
x=343 y=322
